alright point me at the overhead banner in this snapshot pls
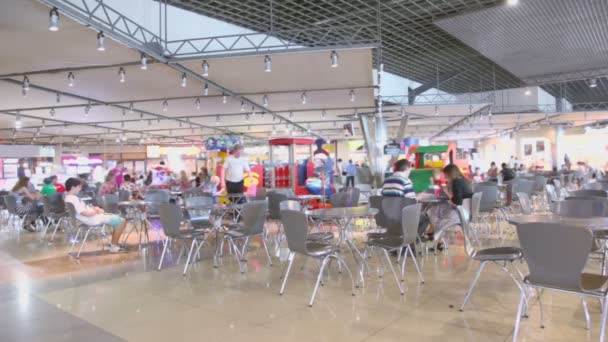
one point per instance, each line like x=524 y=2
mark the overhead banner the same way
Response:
x=217 y=144
x=392 y=149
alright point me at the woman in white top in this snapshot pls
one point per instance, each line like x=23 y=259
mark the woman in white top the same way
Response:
x=235 y=167
x=93 y=216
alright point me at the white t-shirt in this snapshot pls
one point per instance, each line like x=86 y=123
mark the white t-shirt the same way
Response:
x=234 y=169
x=80 y=206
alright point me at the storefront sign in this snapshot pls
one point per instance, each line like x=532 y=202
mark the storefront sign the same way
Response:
x=158 y=151
x=81 y=161
x=216 y=144
x=392 y=149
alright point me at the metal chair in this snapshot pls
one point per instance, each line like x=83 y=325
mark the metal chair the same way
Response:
x=339 y=200
x=171 y=219
x=556 y=255
x=109 y=203
x=590 y=192
x=254 y=216
x=499 y=256
x=582 y=207
x=124 y=195
x=524 y=203
x=79 y=227
x=408 y=218
x=522 y=185
x=296 y=224
x=353 y=195
x=551 y=194
x=11 y=206
x=55 y=212
x=198 y=209
x=390 y=216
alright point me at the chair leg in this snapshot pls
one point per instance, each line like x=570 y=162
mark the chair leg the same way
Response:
x=586 y=311
x=522 y=295
x=603 y=323
x=466 y=297
x=84 y=240
x=420 y=277
x=319 y=277
x=162 y=256
x=74 y=241
x=267 y=252
x=56 y=227
x=390 y=264
x=539 y=293
x=403 y=263
x=192 y=246
x=341 y=261
x=292 y=256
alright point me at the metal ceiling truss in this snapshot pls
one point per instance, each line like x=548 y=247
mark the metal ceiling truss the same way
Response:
x=442 y=99
x=584 y=75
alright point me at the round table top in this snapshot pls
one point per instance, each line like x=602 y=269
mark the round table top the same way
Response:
x=135 y=203
x=593 y=223
x=336 y=213
x=214 y=206
x=307 y=197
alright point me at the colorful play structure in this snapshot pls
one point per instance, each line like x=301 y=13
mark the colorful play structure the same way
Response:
x=429 y=158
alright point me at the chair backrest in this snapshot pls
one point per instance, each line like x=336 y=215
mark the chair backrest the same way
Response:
x=295 y=224
x=11 y=204
x=590 y=193
x=156 y=198
x=274 y=204
x=475 y=207
x=466 y=230
x=339 y=200
x=353 y=196
x=392 y=208
x=410 y=218
x=285 y=191
x=260 y=194
x=558 y=186
x=376 y=203
x=551 y=194
x=193 y=192
x=556 y=254
x=489 y=197
x=290 y=205
x=254 y=216
x=539 y=183
x=109 y=203
x=56 y=204
x=593 y=186
x=198 y=207
x=582 y=207
x=72 y=214
x=524 y=203
x=170 y=218
x=522 y=185
x=124 y=195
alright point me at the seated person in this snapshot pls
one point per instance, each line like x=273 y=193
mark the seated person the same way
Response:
x=58 y=186
x=48 y=188
x=212 y=186
x=93 y=216
x=399 y=183
x=27 y=203
x=131 y=187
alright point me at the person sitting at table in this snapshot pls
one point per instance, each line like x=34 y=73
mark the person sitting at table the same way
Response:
x=131 y=187
x=183 y=181
x=58 y=186
x=48 y=188
x=93 y=216
x=27 y=203
x=492 y=173
x=109 y=186
x=399 y=183
x=444 y=215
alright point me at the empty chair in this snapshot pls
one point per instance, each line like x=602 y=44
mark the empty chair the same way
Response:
x=590 y=193
x=376 y=202
x=408 y=218
x=274 y=202
x=538 y=183
x=54 y=211
x=500 y=256
x=155 y=199
x=489 y=197
x=353 y=195
x=524 y=203
x=171 y=220
x=582 y=207
x=199 y=209
x=522 y=185
x=260 y=194
x=296 y=224
x=254 y=216
x=552 y=196
x=11 y=206
x=290 y=205
x=556 y=255
x=339 y=200
x=295 y=205
x=390 y=209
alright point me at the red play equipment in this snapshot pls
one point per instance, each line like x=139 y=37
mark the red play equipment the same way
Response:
x=284 y=172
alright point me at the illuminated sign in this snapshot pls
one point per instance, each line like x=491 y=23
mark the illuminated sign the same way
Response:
x=158 y=151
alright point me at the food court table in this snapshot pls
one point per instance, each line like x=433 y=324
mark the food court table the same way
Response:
x=343 y=218
x=593 y=223
x=136 y=213
x=306 y=199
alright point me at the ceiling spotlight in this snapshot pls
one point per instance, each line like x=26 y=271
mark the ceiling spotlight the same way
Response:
x=206 y=89
x=246 y=117
x=267 y=64
x=71 y=79
x=265 y=100
x=323 y=114
x=87 y=109
x=52 y=112
x=165 y=105
x=217 y=119
x=252 y=111
x=118 y=139
x=351 y=94
x=274 y=130
x=593 y=83
x=205 y=68
x=58 y=98
x=242 y=106
x=43 y=123
x=124 y=137
x=197 y=103
x=149 y=122
x=184 y=80
x=141 y=117
x=436 y=110
x=54 y=20
x=334 y=59
x=291 y=115
x=528 y=92
x=131 y=108
x=144 y=61
x=512 y=2
x=263 y=114
x=26 y=83
x=100 y=41
x=224 y=98
x=52 y=140
x=303 y=98
x=122 y=74
x=490 y=112
x=18 y=122
x=122 y=124
x=124 y=112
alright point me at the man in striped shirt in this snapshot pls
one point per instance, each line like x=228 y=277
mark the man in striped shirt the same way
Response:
x=399 y=184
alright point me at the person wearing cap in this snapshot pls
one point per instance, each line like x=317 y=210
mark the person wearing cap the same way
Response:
x=235 y=167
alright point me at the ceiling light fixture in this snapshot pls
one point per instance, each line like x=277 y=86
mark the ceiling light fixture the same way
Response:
x=122 y=74
x=528 y=92
x=224 y=98
x=54 y=20
x=593 y=83
x=101 y=46
x=303 y=98
x=143 y=59
x=252 y=111
x=52 y=112
x=334 y=59
x=18 y=122
x=323 y=114
x=274 y=130
x=197 y=103
x=71 y=79
x=351 y=94
x=267 y=64
x=242 y=106
x=43 y=123
x=165 y=105
x=206 y=89
x=205 y=68
x=26 y=85
x=217 y=119
x=58 y=98
x=246 y=117
x=184 y=80
x=265 y=100
x=131 y=108
x=291 y=115
x=512 y=2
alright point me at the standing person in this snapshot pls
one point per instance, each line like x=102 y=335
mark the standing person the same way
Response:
x=108 y=187
x=351 y=170
x=235 y=167
x=506 y=172
x=119 y=173
x=492 y=173
x=93 y=216
x=148 y=180
x=339 y=171
x=511 y=162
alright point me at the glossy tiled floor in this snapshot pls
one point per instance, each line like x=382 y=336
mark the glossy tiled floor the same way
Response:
x=49 y=296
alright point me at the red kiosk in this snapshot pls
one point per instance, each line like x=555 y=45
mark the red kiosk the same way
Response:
x=285 y=175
